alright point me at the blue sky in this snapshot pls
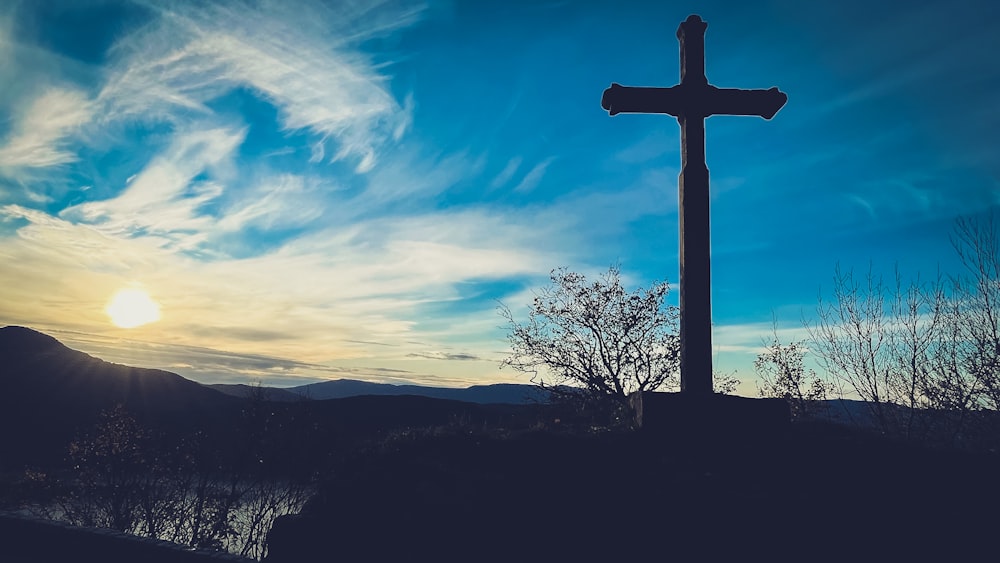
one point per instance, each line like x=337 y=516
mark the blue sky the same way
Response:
x=346 y=189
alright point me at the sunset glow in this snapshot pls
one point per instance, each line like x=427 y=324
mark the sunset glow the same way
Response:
x=131 y=308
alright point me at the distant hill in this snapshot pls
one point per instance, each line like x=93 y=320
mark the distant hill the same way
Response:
x=39 y=369
x=500 y=393
x=244 y=391
x=49 y=393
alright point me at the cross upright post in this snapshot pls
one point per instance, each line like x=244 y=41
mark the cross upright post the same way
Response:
x=691 y=102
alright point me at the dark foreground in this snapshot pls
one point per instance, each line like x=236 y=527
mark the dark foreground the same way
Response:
x=808 y=492
x=25 y=539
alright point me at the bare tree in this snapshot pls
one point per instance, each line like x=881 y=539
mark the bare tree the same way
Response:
x=781 y=373
x=185 y=491
x=965 y=373
x=880 y=341
x=594 y=342
x=127 y=479
x=110 y=467
x=725 y=383
x=924 y=356
x=977 y=308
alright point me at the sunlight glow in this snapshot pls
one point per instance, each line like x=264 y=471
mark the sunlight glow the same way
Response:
x=132 y=307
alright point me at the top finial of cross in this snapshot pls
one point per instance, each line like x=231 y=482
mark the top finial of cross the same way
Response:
x=694 y=96
x=694 y=23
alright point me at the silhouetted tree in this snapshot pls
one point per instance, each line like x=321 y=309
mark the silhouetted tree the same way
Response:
x=781 y=374
x=272 y=476
x=965 y=367
x=110 y=466
x=925 y=357
x=130 y=479
x=976 y=313
x=195 y=490
x=593 y=342
x=879 y=341
x=724 y=383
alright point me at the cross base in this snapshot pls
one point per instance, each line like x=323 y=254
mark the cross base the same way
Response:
x=708 y=417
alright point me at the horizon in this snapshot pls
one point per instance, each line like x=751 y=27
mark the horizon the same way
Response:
x=328 y=191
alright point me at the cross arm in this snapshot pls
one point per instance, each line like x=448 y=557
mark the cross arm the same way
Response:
x=691 y=100
x=733 y=101
x=635 y=99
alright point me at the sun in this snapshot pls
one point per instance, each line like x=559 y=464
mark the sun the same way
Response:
x=132 y=307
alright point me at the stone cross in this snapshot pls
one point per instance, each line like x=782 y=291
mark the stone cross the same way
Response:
x=691 y=102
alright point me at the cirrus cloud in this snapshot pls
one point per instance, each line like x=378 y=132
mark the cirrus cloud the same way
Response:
x=304 y=61
x=39 y=137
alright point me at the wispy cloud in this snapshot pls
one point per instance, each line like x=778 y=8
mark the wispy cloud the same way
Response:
x=534 y=176
x=278 y=201
x=207 y=365
x=444 y=356
x=753 y=338
x=163 y=201
x=39 y=137
x=506 y=174
x=411 y=175
x=654 y=145
x=304 y=61
x=8 y=62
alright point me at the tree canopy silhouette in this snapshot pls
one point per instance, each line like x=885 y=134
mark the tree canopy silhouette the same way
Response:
x=595 y=343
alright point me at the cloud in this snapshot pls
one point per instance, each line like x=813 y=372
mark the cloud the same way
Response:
x=534 y=176
x=211 y=365
x=652 y=146
x=39 y=137
x=163 y=200
x=204 y=364
x=6 y=44
x=753 y=338
x=330 y=293
x=506 y=174
x=411 y=175
x=302 y=58
x=278 y=201
x=443 y=356
x=416 y=259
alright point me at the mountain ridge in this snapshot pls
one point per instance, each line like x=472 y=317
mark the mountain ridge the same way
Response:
x=496 y=393
x=20 y=345
x=52 y=394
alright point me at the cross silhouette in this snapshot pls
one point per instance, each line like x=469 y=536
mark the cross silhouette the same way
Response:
x=691 y=102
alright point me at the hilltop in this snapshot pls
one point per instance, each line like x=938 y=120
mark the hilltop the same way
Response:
x=415 y=477
x=52 y=394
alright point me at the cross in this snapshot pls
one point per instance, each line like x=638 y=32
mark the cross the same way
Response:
x=691 y=102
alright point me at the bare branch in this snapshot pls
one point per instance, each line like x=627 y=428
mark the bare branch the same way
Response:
x=596 y=337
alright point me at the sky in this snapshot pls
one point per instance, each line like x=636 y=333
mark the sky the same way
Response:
x=348 y=189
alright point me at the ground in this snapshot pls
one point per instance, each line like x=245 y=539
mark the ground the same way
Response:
x=812 y=491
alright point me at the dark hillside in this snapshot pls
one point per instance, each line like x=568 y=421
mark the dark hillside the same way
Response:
x=244 y=391
x=814 y=492
x=38 y=366
x=421 y=478
x=51 y=392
